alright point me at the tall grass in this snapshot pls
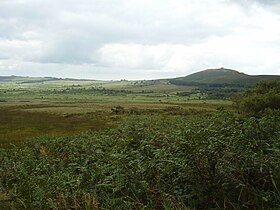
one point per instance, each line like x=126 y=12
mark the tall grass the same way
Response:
x=212 y=161
x=19 y=125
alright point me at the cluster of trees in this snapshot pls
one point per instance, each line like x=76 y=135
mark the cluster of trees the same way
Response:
x=264 y=96
x=97 y=90
x=93 y=90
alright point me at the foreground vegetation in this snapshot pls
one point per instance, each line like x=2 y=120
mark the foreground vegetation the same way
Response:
x=211 y=161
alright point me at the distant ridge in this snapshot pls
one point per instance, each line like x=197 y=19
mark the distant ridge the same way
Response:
x=26 y=79
x=21 y=79
x=221 y=76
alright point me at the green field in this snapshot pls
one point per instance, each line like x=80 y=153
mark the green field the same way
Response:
x=72 y=144
x=64 y=107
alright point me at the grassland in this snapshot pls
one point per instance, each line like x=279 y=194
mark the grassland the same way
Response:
x=63 y=107
x=71 y=144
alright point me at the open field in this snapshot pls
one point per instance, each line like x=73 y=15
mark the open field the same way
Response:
x=58 y=108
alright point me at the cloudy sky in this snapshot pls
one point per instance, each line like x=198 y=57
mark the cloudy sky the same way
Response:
x=138 y=39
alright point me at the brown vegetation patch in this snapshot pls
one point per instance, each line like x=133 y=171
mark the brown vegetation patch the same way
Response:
x=18 y=125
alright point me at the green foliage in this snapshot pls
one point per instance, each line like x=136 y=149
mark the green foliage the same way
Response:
x=265 y=95
x=212 y=161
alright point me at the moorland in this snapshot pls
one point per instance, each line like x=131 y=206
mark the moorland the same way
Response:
x=208 y=140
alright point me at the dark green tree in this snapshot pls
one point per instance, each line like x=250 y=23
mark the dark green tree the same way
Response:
x=265 y=95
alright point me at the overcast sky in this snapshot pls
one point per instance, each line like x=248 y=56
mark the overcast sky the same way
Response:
x=138 y=39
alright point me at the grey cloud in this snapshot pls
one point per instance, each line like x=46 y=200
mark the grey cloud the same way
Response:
x=116 y=19
x=3 y=57
x=74 y=49
x=271 y=5
x=268 y=2
x=101 y=23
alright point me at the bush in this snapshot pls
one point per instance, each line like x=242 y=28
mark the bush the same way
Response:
x=265 y=95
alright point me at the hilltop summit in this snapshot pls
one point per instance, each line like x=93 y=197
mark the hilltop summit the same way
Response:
x=221 y=76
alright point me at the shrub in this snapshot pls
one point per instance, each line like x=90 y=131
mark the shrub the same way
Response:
x=265 y=95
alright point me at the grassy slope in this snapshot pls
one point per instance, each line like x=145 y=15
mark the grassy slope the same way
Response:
x=222 y=76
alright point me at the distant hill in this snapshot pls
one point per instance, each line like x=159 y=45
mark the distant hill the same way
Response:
x=219 y=77
x=22 y=80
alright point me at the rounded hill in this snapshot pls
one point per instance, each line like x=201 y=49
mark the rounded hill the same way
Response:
x=221 y=76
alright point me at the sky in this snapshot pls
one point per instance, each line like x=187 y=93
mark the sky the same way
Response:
x=138 y=39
